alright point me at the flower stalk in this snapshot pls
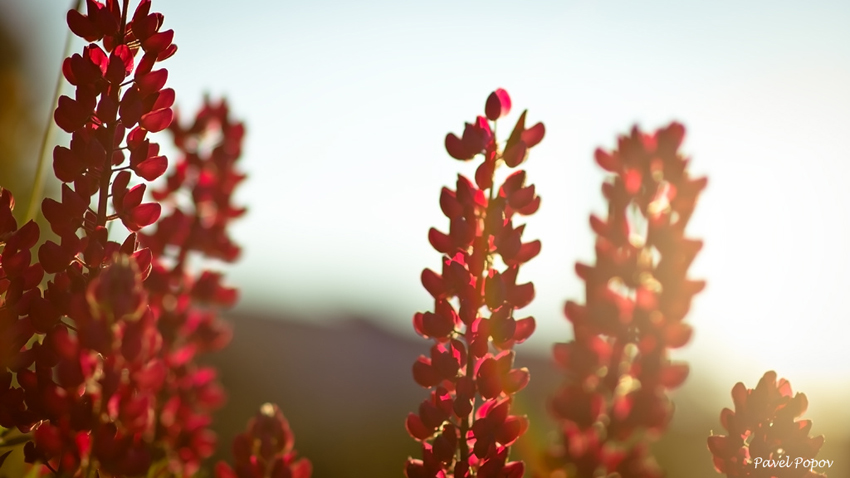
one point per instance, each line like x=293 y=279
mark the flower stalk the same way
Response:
x=99 y=336
x=766 y=437
x=614 y=400
x=473 y=324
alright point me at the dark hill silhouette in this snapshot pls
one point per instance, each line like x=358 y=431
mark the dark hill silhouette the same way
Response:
x=346 y=388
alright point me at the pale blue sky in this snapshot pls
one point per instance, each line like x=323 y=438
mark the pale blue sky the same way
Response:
x=347 y=105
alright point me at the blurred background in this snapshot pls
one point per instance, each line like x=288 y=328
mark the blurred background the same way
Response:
x=347 y=105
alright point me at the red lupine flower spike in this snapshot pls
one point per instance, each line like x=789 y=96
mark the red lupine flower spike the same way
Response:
x=474 y=309
x=638 y=294
x=265 y=449
x=103 y=354
x=765 y=432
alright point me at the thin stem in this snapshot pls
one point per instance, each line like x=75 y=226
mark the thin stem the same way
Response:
x=470 y=357
x=106 y=176
x=106 y=173
x=55 y=473
x=38 y=183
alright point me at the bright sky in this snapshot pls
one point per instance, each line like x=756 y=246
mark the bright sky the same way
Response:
x=347 y=106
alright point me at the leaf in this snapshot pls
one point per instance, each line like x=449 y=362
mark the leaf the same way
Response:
x=16 y=440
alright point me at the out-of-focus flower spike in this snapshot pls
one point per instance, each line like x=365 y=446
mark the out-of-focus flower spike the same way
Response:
x=638 y=293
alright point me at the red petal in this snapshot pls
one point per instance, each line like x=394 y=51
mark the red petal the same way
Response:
x=440 y=241
x=424 y=374
x=43 y=315
x=164 y=100
x=527 y=252
x=82 y=26
x=223 y=470
x=513 y=183
x=416 y=428
x=151 y=168
x=158 y=120
x=677 y=335
x=717 y=445
x=516 y=380
x=15 y=264
x=456 y=149
x=143 y=258
x=158 y=41
x=416 y=469
x=123 y=52
x=487 y=377
x=515 y=155
x=145 y=65
x=674 y=374
x=133 y=197
x=70 y=115
x=633 y=181
x=511 y=429
x=606 y=161
x=433 y=283
x=531 y=208
x=522 y=198
x=301 y=468
x=33 y=276
x=418 y=325
x=670 y=138
x=514 y=469
x=533 y=135
x=524 y=328
x=166 y=54
x=521 y=295
x=97 y=57
x=144 y=215
x=52 y=257
x=25 y=237
x=498 y=105
x=484 y=174
x=142 y=11
x=152 y=82
x=449 y=204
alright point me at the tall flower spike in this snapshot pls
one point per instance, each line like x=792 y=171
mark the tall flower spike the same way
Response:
x=84 y=349
x=100 y=364
x=207 y=172
x=473 y=324
x=764 y=431
x=266 y=449
x=614 y=399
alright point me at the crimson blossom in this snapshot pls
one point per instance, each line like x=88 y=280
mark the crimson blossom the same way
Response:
x=473 y=324
x=265 y=450
x=197 y=197
x=765 y=433
x=614 y=400
x=98 y=338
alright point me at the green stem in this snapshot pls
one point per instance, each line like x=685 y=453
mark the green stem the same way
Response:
x=470 y=357
x=38 y=183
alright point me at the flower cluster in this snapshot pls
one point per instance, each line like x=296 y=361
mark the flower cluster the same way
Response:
x=637 y=295
x=98 y=337
x=198 y=201
x=265 y=450
x=473 y=324
x=765 y=425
